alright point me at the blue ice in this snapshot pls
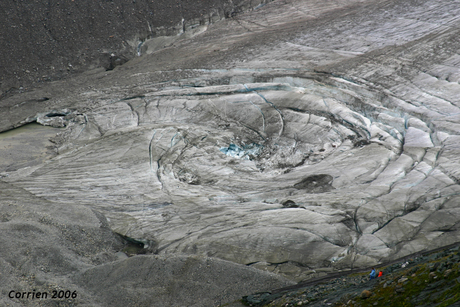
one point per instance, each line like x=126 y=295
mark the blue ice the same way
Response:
x=244 y=151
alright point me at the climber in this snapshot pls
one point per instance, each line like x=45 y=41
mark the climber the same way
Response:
x=372 y=274
x=380 y=274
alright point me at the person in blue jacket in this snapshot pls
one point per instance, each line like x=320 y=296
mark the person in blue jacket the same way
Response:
x=372 y=274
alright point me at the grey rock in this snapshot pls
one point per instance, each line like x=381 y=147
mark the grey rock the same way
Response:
x=174 y=281
x=290 y=204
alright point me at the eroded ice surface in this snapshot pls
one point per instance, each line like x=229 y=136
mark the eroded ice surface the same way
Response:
x=355 y=121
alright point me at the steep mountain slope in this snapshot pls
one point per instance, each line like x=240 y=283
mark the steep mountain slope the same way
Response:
x=42 y=41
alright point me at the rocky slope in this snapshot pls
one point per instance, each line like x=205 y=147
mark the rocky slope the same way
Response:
x=299 y=138
x=42 y=41
x=432 y=279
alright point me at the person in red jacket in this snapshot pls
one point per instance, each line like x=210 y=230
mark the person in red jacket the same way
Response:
x=380 y=274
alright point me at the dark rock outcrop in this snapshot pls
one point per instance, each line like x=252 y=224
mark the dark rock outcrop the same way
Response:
x=315 y=183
